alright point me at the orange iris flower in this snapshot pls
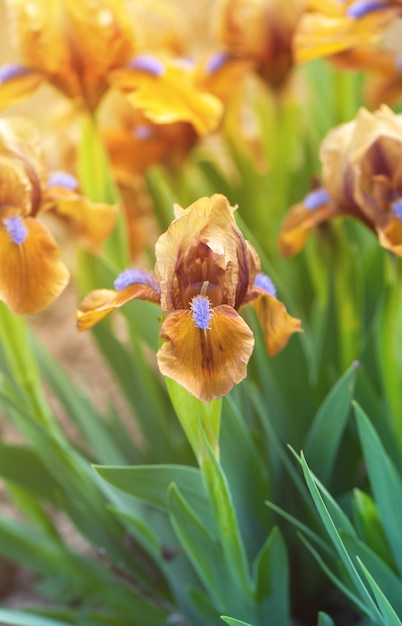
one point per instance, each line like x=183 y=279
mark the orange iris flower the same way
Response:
x=261 y=31
x=205 y=271
x=362 y=178
x=83 y=47
x=335 y=26
x=32 y=273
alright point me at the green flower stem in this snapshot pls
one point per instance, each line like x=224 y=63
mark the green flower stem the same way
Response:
x=21 y=363
x=198 y=419
x=97 y=183
x=389 y=344
x=201 y=423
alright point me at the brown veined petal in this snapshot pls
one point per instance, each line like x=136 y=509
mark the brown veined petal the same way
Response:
x=100 y=302
x=276 y=323
x=32 y=273
x=208 y=363
x=16 y=84
x=166 y=92
x=93 y=221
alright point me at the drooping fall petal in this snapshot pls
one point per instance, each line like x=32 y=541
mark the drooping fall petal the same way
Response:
x=92 y=221
x=276 y=323
x=208 y=362
x=166 y=92
x=99 y=303
x=330 y=30
x=302 y=219
x=32 y=273
x=17 y=83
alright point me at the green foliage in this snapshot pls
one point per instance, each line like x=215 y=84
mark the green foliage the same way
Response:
x=252 y=509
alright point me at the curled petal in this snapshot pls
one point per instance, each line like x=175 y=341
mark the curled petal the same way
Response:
x=276 y=323
x=93 y=221
x=325 y=33
x=32 y=273
x=170 y=96
x=389 y=231
x=299 y=223
x=207 y=362
x=99 y=303
x=17 y=83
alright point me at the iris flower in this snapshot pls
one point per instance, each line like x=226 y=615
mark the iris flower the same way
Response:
x=335 y=26
x=32 y=273
x=205 y=271
x=362 y=178
x=262 y=32
x=83 y=47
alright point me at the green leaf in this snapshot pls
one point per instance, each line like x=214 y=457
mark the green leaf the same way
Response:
x=234 y=622
x=151 y=484
x=356 y=584
x=271 y=574
x=201 y=548
x=385 y=482
x=325 y=434
x=78 y=408
x=368 y=523
x=385 y=577
x=226 y=523
x=324 y=620
x=21 y=465
x=390 y=618
x=243 y=465
x=10 y=617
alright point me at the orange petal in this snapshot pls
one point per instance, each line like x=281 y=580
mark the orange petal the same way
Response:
x=93 y=221
x=390 y=234
x=319 y=35
x=299 y=223
x=208 y=363
x=166 y=92
x=276 y=323
x=99 y=303
x=32 y=272
x=16 y=84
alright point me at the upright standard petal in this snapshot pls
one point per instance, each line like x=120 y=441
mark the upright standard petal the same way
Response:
x=207 y=361
x=32 y=273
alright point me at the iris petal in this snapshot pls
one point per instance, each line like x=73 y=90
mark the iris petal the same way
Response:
x=99 y=303
x=208 y=363
x=32 y=273
x=276 y=323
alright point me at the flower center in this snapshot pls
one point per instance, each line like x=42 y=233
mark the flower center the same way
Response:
x=16 y=229
x=202 y=311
